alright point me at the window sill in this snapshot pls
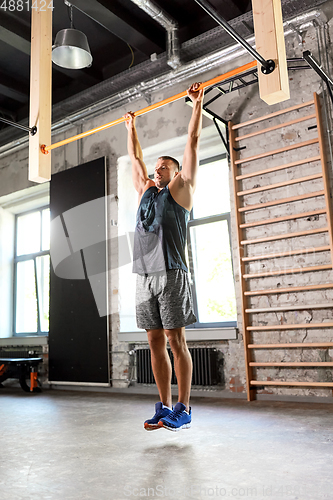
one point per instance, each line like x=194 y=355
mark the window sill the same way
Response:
x=191 y=334
x=29 y=341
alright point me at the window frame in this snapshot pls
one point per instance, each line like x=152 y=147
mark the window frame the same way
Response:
x=21 y=258
x=197 y=222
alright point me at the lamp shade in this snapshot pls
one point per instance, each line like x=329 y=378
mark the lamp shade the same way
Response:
x=71 y=49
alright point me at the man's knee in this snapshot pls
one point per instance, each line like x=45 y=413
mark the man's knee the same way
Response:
x=177 y=339
x=156 y=339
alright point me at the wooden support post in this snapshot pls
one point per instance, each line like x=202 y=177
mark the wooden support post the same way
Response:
x=40 y=92
x=251 y=393
x=269 y=35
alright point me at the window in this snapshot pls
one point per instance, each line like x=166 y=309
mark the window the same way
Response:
x=209 y=247
x=32 y=273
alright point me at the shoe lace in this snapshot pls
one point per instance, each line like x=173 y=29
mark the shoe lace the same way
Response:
x=175 y=415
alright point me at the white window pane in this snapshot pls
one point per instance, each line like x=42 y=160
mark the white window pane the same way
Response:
x=46 y=229
x=214 y=281
x=43 y=283
x=28 y=233
x=212 y=194
x=26 y=302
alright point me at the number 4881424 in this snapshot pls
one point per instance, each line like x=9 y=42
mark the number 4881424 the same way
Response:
x=20 y=5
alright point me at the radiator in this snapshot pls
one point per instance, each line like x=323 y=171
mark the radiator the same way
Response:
x=206 y=366
x=29 y=352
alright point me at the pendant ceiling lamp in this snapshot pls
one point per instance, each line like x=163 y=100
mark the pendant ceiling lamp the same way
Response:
x=71 y=49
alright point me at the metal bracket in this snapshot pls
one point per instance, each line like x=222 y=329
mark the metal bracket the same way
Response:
x=312 y=61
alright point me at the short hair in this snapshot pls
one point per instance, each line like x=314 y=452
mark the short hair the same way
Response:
x=176 y=162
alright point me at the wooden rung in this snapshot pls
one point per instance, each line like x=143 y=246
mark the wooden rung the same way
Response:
x=277 y=151
x=280 y=184
x=290 y=289
x=280 y=167
x=284 y=236
x=300 y=384
x=282 y=219
x=299 y=307
x=286 y=254
x=320 y=364
x=272 y=115
x=290 y=327
x=304 y=196
x=288 y=271
x=275 y=127
x=292 y=345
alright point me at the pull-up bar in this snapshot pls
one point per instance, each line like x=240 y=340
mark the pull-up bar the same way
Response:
x=45 y=149
x=267 y=67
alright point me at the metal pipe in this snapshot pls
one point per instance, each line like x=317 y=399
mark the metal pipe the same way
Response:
x=267 y=66
x=171 y=26
x=32 y=130
x=45 y=149
x=312 y=61
x=328 y=117
x=191 y=69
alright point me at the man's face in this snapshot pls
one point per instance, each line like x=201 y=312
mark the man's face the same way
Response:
x=165 y=170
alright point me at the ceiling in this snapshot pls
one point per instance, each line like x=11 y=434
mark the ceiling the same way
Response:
x=122 y=38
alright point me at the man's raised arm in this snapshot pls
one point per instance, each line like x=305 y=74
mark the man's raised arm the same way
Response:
x=190 y=160
x=139 y=169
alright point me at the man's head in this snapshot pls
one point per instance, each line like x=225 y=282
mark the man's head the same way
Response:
x=166 y=169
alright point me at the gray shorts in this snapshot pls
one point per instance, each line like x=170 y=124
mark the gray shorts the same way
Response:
x=164 y=300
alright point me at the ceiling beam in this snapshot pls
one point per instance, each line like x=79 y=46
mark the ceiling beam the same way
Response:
x=15 y=40
x=13 y=89
x=116 y=25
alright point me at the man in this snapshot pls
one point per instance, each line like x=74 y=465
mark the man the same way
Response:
x=164 y=303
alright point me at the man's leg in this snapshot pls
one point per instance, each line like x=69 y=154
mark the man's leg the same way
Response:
x=183 y=363
x=161 y=364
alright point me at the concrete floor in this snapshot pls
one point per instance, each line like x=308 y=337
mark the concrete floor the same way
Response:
x=74 y=445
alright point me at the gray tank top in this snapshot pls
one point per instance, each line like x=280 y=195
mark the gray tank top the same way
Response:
x=160 y=233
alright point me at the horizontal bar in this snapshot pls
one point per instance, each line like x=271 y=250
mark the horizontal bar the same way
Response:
x=301 y=215
x=320 y=364
x=275 y=127
x=296 y=326
x=288 y=271
x=290 y=289
x=292 y=345
x=299 y=197
x=32 y=130
x=156 y=105
x=272 y=115
x=277 y=151
x=286 y=254
x=229 y=29
x=280 y=184
x=287 y=307
x=285 y=236
x=280 y=167
x=300 y=384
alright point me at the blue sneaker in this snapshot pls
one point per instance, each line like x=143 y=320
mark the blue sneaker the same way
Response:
x=160 y=412
x=176 y=420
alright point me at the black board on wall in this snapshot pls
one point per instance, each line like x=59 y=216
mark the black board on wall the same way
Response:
x=78 y=336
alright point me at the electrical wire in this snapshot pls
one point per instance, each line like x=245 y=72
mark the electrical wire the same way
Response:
x=70 y=15
x=132 y=56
